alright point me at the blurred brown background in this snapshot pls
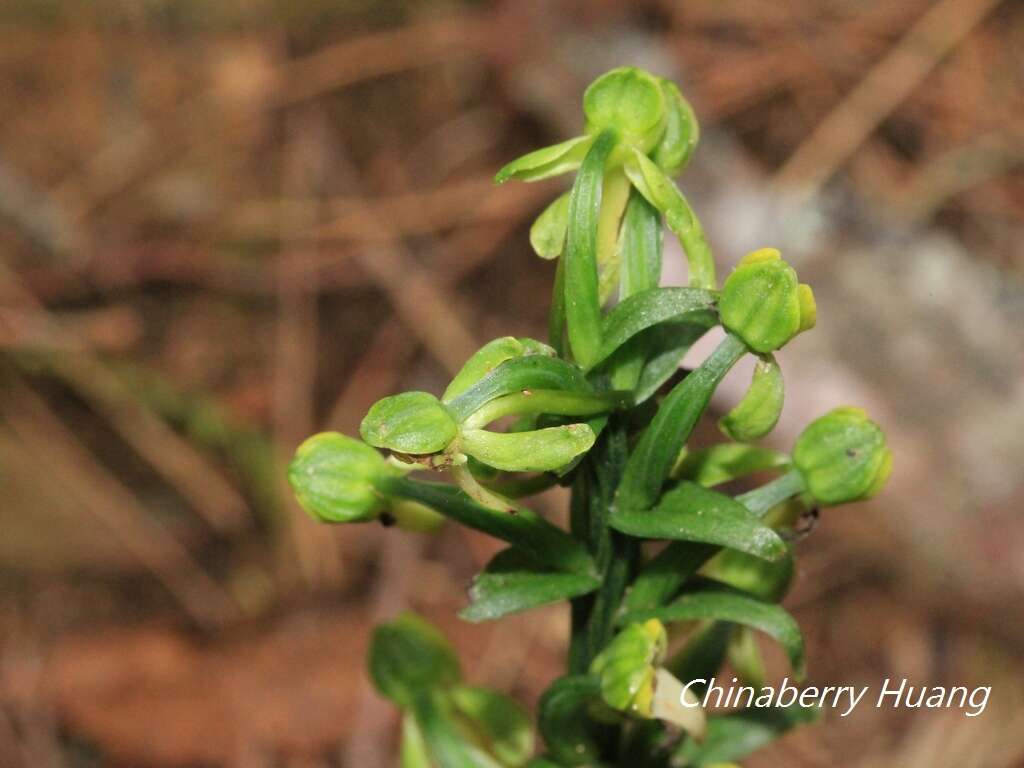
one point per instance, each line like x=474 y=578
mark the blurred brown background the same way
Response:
x=224 y=226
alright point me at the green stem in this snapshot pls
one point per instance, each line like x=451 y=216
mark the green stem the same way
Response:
x=762 y=499
x=522 y=527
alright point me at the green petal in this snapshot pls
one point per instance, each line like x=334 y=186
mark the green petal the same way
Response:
x=546 y=162
x=412 y=422
x=541 y=450
x=759 y=410
x=547 y=235
x=490 y=356
x=681 y=132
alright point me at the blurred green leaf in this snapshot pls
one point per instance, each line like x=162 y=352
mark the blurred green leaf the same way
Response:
x=736 y=735
x=768 y=581
x=690 y=512
x=727 y=605
x=513 y=582
x=414 y=752
x=498 y=721
x=571 y=736
x=411 y=422
x=447 y=745
x=408 y=656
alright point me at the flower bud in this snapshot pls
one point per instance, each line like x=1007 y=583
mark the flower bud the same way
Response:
x=413 y=423
x=763 y=303
x=629 y=101
x=627 y=667
x=332 y=476
x=843 y=457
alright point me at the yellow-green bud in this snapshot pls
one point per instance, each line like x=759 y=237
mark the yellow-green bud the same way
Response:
x=763 y=303
x=332 y=476
x=631 y=102
x=627 y=667
x=843 y=457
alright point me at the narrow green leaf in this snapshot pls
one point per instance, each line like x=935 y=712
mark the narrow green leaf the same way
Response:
x=522 y=528
x=736 y=735
x=582 y=306
x=690 y=512
x=556 y=313
x=661 y=192
x=516 y=375
x=726 y=462
x=640 y=241
x=759 y=410
x=547 y=161
x=646 y=309
x=661 y=578
x=409 y=656
x=727 y=605
x=547 y=235
x=513 y=582
x=490 y=356
x=541 y=450
x=412 y=422
x=502 y=724
x=666 y=346
x=571 y=735
x=661 y=442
